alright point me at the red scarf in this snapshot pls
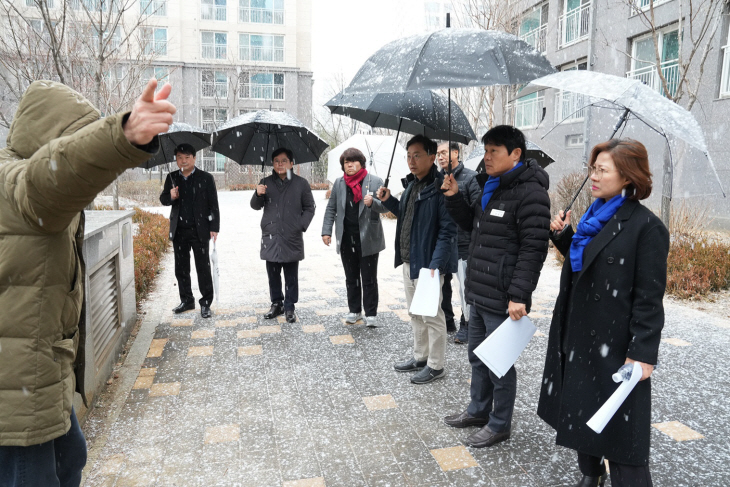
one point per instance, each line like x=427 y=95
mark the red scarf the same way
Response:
x=355 y=184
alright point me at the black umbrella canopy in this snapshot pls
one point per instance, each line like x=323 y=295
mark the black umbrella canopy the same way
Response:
x=178 y=133
x=450 y=58
x=414 y=112
x=252 y=138
x=475 y=160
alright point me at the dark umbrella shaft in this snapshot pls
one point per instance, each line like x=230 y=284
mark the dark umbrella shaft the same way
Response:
x=395 y=145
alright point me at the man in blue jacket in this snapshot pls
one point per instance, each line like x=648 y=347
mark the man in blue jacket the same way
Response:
x=425 y=237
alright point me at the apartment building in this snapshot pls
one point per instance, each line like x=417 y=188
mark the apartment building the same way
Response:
x=611 y=36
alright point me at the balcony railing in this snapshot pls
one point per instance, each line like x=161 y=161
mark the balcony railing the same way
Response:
x=260 y=15
x=537 y=38
x=213 y=52
x=570 y=107
x=528 y=113
x=212 y=12
x=261 y=92
x=574 y=25
x=272 y=54
x=215 y=90
x=650 y=77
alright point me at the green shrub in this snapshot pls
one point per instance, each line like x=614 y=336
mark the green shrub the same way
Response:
x=695 y=269
x=241 y=187
x=150 y=243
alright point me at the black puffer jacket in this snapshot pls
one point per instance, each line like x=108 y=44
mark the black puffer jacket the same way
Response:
x=509 y=241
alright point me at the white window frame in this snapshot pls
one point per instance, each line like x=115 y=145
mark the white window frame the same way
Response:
x=161 y=74
x=156 y=8
x=574 y=141
x=434 y=19
x=214 y=87
x=214 y=10
x=567 y=103
x=150 y=44
x=528 y=110
x=254 y=15
x=573 y=24
x=250 y=91
x=213 y=50
x=638 y=6
x=725 y=77
x=648 y=74
x=537 y=38
x=248 y=52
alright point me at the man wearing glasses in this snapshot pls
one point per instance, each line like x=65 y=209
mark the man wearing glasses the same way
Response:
x=288 y=207
x=425 y=237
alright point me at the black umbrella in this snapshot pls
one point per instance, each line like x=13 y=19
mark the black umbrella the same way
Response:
x=475 y=160
x=178 y=133
x=450 y=58
x=413 y=112
x=252 y=138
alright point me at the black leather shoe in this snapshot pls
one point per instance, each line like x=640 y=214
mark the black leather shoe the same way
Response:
x=485 y=437
x=450 y=327
x=182 y=307
x=276 y=310
x=428 y=375
x=205 y=312
x=592 y=481
x=291 y=317
x=462 y=420
x=410 y=365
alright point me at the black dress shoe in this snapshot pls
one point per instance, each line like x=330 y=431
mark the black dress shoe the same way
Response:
x=410 y=365
x=587 y=481
x=462 y=420
x=205 y=312
x=290 y=316
x=485 y=437
x=182 y=307
x=450 y=327
x=276 y=310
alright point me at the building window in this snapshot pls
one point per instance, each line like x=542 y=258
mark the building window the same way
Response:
x=211 y=118
x=212 y=161
x=214 y=84
x=214 y=45
x=32 y=3
x=644 y=60
x=154 y=40
x=213 y=10
x=573 y=141
x=640 y=5
x=153 y=7
x=435 y=19
x=259 y=47
x=261 y=11
x=262 y=86
x=161 y=74
x=725 y=78
x=527 y=110
x=533 y=28
x=574 y=22
x=95 y=5
x=569 y=106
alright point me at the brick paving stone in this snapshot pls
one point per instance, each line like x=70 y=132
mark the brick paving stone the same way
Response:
x=281 y=403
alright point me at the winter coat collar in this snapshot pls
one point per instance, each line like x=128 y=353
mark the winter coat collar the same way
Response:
x=609 y=231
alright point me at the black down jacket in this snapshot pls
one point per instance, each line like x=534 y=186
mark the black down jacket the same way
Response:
x=509 y=240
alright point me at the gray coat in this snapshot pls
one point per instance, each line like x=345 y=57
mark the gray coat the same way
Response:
x=371 y=229
x=469 y=187
x=288 y=210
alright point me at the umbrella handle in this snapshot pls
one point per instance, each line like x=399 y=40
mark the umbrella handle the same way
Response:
x=558 y=234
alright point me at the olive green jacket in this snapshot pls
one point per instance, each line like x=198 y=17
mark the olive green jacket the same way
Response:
x=59 y=156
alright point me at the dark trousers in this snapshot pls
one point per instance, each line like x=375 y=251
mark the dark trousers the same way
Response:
x=446 y=301
x=291 y=281
x=185 y=239
x=622 y=475
x=490 y=395
x=55 y=463
x=361 y=279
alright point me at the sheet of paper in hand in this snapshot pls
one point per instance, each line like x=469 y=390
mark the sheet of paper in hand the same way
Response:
x=426 y=298
x=609 y=408
x=501 y=349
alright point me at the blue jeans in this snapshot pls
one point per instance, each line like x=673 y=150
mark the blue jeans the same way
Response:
x=491 y=396
x=55 y=463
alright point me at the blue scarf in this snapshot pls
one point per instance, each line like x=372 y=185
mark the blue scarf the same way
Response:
x=491 y=185
x=592 y=222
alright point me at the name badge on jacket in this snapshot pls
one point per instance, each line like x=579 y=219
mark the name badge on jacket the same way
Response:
x=497 y=213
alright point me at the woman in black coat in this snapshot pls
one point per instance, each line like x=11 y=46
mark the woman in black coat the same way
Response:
x=609 y=312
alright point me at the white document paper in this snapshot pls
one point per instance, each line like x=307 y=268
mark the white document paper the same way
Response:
x=426 y=298
x=501 y=349
x=609 y=408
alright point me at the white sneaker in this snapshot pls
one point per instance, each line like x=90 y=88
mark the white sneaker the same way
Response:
x=371 y=321
x=353 y=317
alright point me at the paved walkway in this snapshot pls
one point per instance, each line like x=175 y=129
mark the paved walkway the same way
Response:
x=239 y=400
